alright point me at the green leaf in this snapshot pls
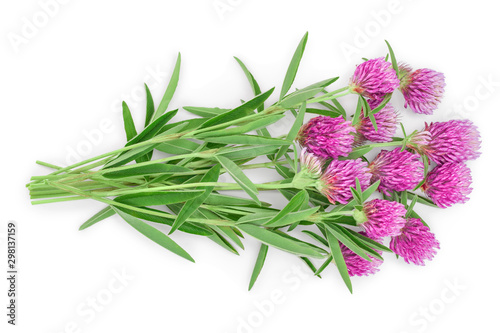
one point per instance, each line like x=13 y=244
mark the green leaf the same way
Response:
x=327 y=262
x=370 y=242
x=409 y=209
x=316 y=237
x=328 y=113
x=259 y=263
x=226 y=200
x=169 y=93
x=128 y=122
x=393 y=59
x=205 y=112
x=99 y=216
x=357 y=113
x=239 y=112
x=422 y=200
x=271 y=238
x=229 y=232
x=340 y=108
x=257 y=218
x=360 y=151
x=148 y=133
x=150 y=106
x=178 y=147
x=154 y=234
x=310 y=265
x=143 y=199
x=298 y=98
x=235 y=172
x=245 y=139
x=369 y=191
x=293 y=67
x=141 y=170
x=237 y=153
x=251 y=126
x=192 y=205
x=187 y=227
x=374 y=122
x=293 y=205
x=337 y=232
x=292 y=134
x=294 y=217
x=382 y=104
x=253 y=83
x=339 y=259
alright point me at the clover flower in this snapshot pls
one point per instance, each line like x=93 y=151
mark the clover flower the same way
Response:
x=327 y=137
x=397 y=170
x=448 y=184
x=358 y=266
x=450 y=141
x=422 y=88
x=416 y=242
x=340 y=176
x=380 y=218
x=374 y=78
x=387 y=120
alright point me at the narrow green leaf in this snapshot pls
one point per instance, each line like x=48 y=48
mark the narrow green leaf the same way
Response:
x=292 y=134
x=339 y=259
x=316 y=237
x=325 y=264
x=148 y=133
x=239 y=112
x=99 y=216
x=259 y=263
x=358 y=152
x=298 y=98
x=328 y=113
x=382 y=104
x=237 y=153
x=337 y=232
x=292 y=206
x=310 y=265
x=253 y=83
x=235 y=172
x=192 y=205
x=422 y=200
x=169 y=93
x=150 y=106
x=393 y=59
x=294 y=217
x=271 y=238
x=187 y=227
x=178 y=147
x=205 y=112
x=357 y=113
x=409 y=209
x=217 y=199
x=128 y=122
x=293 y=67
x=143 y=199
x=370 y=242
x=340 y=108
x=141 y=170
x=369 y=191
x=245 y=139
x=251 y=126
x=154 y=234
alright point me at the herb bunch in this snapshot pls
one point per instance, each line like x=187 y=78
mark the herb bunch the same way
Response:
x=345 y=204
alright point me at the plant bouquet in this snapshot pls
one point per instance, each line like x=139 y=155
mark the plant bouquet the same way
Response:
x=344 y=204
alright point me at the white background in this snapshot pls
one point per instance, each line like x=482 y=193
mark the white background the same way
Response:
x=68 y=76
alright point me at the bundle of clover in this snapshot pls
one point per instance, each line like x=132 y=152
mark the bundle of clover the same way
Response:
x=341 y=206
